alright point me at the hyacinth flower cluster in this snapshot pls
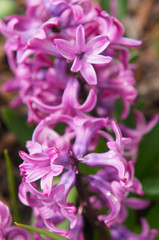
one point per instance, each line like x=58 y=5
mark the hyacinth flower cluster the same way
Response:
x=6 y=230
x=71 y=64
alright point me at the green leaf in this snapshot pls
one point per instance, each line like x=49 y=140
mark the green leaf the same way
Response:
x=105 y=5
x=17 y=125
x=118 y=109
x=95 y=235
x=84 y=169
x=147 y=163
x=134 y=57
x=41 y=231
x=130 y=222
x=64 y=224
x=153 y=216
x=122 y=8
x=131 y=118
x=157 y=237
x=56 y=180
x=101 y=146
x=7 y=7
x=151 y=186
x=72 y=196
x=12 y=188
x=60 y=128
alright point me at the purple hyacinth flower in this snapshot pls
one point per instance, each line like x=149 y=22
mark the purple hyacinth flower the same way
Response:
x=113 y=195
x=69 y=102
x=6 y=230
x=119 y=232
x=113 y=157
x=5 y=218
x=51 y=209
x=58 y=7
x=137 y=134
x=115 y=81
x=84 y=54
x=76 y=233
x=41 y=165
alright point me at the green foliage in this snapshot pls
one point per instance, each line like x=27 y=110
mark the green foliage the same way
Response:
x=7 y=7
x=12 y=188
x=152 y=216
x=151 y=186
x=72 y=196
x=86 y=170
x=101 y=146
x=64 y=224
x=130 y=222
x=122 y=7
x=134 y=57
x=147 y=164
x=118 y=109
x=41 y=231
x=60 y=128
x=105 y=5
x=17 y=125
x=131 y=118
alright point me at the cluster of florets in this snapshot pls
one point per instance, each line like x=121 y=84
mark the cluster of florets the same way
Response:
x=6 y=230
x=71 y=64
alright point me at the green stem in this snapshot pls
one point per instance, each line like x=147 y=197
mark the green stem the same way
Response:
x=42 y=232
x=12 y=188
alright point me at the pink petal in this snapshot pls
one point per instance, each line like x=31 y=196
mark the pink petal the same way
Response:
x=67 y=180
x=98 y=59
x=77 y=11
x=136 y=203
x=33 y=147
x=50 y=225
x=5 y=217
x=56 y=169
x=22 y=54
x=97 y=45
x=80 y=38
x=77 y=64
x=106 y=159
x=47 y=183
x=65 y=48
x=129 y=42
x=43 y=45
x=46 y=212
x=89 y=74
x=36 y=158
x=36 y=173
x=51 y=22
x=90 y=102
x=7 y=32
x=116 y=30
x=42 y=106
x=70 y=94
